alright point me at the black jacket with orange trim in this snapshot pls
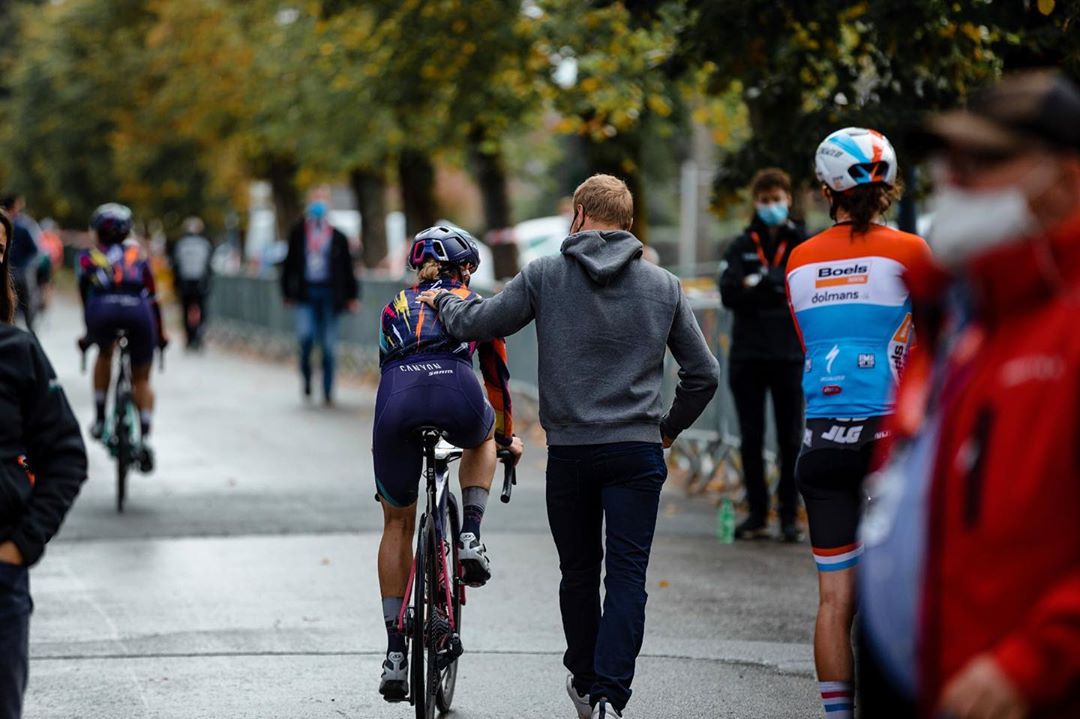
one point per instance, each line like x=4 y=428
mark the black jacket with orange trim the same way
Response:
x=42 y=455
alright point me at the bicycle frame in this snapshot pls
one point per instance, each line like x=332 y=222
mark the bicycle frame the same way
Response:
x=437 y=476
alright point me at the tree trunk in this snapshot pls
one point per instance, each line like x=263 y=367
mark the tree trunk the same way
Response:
x=417 y=178
x=370 y=188
x=281 y=172
x=621 y=156
x=490 y=172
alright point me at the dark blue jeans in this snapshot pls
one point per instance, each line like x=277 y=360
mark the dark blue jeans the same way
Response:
x=316 y=321
x=587 y=487
x=15 y=607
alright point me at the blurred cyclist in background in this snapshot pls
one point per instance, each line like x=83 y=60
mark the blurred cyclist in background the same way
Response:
x=191 y=269
x=766 y=356
x=852 y=309
x=971 y=579
x=427 y=379
x=117 y=289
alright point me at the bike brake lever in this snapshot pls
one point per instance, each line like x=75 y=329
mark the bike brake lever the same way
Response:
x=509 y=480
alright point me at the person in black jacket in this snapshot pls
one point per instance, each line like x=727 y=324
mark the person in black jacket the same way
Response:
x=318 y=278
x=766 y=353
x=42 y=467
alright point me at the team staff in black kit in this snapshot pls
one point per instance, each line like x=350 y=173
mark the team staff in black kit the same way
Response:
x=766 y=355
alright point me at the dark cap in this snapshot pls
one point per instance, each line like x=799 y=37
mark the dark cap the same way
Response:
x=1036 y=108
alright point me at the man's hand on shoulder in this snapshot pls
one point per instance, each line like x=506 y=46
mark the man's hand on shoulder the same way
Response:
x=429 y=297
x=10 y=554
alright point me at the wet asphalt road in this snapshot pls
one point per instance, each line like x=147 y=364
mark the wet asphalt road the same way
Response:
x=241 y=581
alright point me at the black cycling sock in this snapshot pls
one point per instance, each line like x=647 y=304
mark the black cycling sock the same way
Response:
x=144 y=423
x=395 y=640
x=99 y=406
x=474 y=500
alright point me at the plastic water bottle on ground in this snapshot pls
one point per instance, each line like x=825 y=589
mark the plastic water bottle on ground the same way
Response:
x=725 y=522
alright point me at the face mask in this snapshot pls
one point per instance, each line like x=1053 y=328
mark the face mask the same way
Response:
x=317 y=210
x=772 y=213
x=968 y=224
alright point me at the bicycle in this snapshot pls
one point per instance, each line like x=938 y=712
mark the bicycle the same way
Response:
x=122 y=432
x=432 y=623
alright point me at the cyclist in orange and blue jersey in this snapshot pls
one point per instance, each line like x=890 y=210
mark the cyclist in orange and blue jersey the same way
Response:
x=853 y=313
x=116 y=285
x=428 y=380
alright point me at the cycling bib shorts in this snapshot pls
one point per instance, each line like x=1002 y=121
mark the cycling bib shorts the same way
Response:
x=834 y=461
x=424 y=390
x=108 y=314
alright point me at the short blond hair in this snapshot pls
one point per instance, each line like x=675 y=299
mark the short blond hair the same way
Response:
x=606 y=199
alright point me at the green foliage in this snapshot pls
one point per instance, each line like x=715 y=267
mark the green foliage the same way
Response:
x=804 y=69
x=172 y=105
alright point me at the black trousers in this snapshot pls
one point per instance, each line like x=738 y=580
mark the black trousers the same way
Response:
x=193 y=300
x=15 y=607
x=750 y=381
x=593 y=491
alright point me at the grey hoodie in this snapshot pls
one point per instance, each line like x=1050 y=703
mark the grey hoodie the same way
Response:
x=604 y=318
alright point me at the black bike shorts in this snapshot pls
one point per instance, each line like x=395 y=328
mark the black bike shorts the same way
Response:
x=424 y=390
x=835 y=459
x=106 y=315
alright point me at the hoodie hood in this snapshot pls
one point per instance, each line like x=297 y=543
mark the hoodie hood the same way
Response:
x=603 y=254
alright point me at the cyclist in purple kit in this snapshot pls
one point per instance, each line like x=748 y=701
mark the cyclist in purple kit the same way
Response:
x=117 y=289
x=604 y=320
x=427 y=380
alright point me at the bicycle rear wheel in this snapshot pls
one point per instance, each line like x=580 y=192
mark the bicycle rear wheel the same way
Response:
x=417 y=674
x=445 y=695
x=124 y=448
x=432 y=627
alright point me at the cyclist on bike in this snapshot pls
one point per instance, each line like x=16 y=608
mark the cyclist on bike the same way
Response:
x=117 y=289
x=854 y=316
x=427 y=379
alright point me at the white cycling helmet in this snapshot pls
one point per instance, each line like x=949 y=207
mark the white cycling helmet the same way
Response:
x=855 y=156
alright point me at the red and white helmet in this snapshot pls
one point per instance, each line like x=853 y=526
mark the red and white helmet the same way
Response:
x=855 y=156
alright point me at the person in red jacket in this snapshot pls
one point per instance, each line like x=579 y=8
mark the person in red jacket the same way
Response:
x=970 y=581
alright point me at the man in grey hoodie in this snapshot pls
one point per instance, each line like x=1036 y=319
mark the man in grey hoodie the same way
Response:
x=604 y=319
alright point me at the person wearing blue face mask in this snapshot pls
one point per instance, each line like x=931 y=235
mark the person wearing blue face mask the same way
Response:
x=766 y=355
x=317 y=277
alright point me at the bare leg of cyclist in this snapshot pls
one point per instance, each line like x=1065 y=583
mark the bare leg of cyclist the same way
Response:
x=395 y=560
x=395 y=549
x=833 y=655
x=477 y=472
x=102 y=377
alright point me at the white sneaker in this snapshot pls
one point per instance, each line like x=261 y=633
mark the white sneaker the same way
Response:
x=603 y=710
x=474 y=560
x=581 y=701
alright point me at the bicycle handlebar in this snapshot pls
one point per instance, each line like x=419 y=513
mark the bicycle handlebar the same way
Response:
x=85 y=345
x=509 y=474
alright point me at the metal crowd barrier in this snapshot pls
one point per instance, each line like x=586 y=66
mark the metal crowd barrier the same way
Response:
x=254 y=306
